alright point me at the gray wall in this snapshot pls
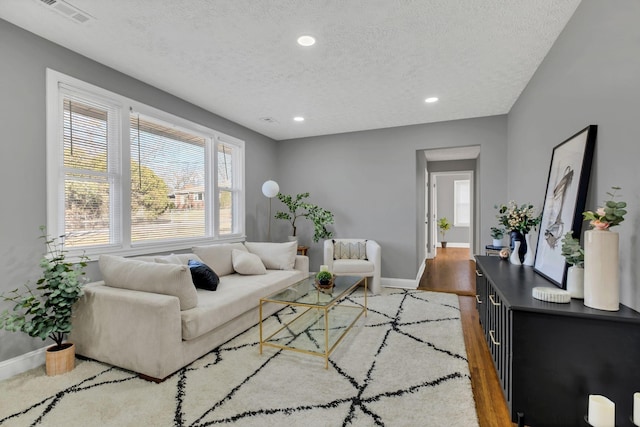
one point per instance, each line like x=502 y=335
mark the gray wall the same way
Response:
x=373 y=182
x=22 y=154
x=446 y=207
x=590 y=76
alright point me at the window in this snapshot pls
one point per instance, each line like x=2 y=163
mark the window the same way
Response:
x=125 y=177
x=462 y=208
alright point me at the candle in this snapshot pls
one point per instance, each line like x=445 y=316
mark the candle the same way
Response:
x=636 y=409
x=602 y=411
x=324 y=268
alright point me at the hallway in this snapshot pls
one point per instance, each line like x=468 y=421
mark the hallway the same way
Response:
x=452 y=271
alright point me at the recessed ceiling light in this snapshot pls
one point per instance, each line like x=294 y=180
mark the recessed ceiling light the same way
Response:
x=299 y=119
x=431 y=99
x=306 y=41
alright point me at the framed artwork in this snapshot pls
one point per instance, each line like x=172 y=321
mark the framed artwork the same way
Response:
x=564 y=202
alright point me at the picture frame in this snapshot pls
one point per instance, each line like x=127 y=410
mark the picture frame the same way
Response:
x=564 y=202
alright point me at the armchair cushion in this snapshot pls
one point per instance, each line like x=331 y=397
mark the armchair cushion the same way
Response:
x=350 y=250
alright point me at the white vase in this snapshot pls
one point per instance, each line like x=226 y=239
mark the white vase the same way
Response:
x=497 y=243
x=601 y=270
x=514 y=258
x=530 y=256
x=575 y=282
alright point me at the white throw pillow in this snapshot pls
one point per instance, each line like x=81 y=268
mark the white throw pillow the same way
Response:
x=247 y=263
x=218 y=257
x=167 y=279
x=275 y=256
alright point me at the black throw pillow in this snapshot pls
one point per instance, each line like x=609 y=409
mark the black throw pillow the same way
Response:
x=203 y=276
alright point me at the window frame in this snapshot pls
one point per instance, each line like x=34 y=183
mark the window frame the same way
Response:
x=56 y=85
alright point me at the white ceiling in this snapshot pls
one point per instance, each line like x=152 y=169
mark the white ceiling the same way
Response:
x=374 y=63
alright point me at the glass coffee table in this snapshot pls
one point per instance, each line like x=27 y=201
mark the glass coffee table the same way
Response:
x=324 y=318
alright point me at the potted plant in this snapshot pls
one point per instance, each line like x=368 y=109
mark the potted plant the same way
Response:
x=444 y=225
x=298 y=208
x=324 y=279
x=574 y=255
x=46 y=311
x=497 y=233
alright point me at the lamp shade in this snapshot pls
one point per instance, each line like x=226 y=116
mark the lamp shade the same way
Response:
x=270 y=189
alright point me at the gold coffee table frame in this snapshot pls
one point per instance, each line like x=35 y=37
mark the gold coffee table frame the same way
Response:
x=322 y=310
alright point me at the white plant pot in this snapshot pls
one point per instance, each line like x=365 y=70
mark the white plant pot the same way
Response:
x=575 y=282
x=601 y=270
x=497 y=242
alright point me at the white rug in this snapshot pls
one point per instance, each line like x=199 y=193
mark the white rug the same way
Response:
x=403 y=365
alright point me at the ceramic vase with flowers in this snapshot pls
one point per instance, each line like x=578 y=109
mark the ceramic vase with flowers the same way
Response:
x=601 y=255
x=519 y=220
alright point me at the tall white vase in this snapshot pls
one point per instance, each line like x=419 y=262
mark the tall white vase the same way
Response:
x=601 y=270
x=530 y=256
x=514 y=258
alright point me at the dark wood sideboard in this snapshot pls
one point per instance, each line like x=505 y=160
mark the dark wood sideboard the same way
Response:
x=550 y=357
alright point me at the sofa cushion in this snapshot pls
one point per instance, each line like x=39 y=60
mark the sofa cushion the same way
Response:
x=203 y=276
x=236 y=295
x=167 y=259
x=247 y=263
x=167 y=279
x=218 y=257
x=275 y=256
x=346 y=266
x=174 y=258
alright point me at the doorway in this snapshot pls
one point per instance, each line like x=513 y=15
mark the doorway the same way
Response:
x=451 y=198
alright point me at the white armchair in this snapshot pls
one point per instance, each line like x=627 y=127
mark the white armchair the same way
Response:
x=354 y=257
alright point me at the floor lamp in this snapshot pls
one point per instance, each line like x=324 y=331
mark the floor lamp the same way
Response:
x=270 y=189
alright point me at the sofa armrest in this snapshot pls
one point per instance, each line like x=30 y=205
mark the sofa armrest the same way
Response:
x=302 y=264
x=139 y=331
x=328 y=254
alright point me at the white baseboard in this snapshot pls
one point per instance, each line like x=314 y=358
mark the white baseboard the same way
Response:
x=398 y=283
x=22 y=363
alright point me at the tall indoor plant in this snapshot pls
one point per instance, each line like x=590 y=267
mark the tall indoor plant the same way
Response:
x=299 y=207
x=45 y=312
x=443 y=225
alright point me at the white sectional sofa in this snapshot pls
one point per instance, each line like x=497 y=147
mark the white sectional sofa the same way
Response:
x=147 y=316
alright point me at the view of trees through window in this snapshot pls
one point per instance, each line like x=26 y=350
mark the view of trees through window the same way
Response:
x=168 y=179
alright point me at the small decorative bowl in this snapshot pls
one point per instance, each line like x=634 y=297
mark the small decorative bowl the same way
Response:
x=324 y=285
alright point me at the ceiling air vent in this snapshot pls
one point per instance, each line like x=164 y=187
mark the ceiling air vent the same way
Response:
x=67 y=10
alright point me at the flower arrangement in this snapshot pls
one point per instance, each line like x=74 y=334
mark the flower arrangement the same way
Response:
x=571 y=250
x=518 y=218
x=609 y=215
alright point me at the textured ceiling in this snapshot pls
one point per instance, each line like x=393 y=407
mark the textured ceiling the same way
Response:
x=374 y=63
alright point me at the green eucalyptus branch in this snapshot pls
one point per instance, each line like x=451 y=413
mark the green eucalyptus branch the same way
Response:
x=46 y=311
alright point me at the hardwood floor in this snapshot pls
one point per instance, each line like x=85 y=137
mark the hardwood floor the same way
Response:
x=452 y=271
